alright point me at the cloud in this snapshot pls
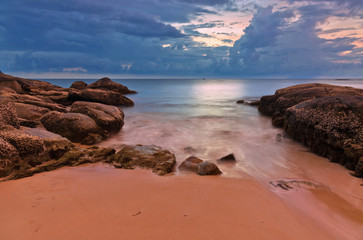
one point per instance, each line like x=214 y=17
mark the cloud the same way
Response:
x=275 y=45
x=75 y=69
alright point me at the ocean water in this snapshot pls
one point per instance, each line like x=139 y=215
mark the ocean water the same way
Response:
x=201 y=118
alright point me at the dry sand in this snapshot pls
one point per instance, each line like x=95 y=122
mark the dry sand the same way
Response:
x=100 y=202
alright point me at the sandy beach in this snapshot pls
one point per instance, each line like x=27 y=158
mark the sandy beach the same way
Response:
x=100 y=202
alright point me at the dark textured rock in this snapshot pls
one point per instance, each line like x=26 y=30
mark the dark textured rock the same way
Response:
x=276 y=105
x=240 y=101
x=330 y=126
x=74 y=126
x=101 y=96
x=107 y=117
x=106 y=84
x=9 y=157
x=208 y=168
x=153 y=157
x=8 y=114
x=79 y=85
x=358 y=171
x=229 y=158
x=190 y=164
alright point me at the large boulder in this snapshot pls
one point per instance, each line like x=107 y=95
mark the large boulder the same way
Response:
x=107 y=117
x=29 y=111
x=101 y=96
x=153 y=157
x=76 y=127
x=106 y=84
x=330 y=126
x=276 y=105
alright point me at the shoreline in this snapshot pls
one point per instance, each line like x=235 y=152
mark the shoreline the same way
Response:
x=97 y=201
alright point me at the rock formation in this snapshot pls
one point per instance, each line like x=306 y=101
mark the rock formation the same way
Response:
x=326 y=118
x=198 y=166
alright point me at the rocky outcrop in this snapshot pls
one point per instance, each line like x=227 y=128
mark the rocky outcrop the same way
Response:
x=326 y=118
x=8 y=116
x=153 y=157
x=198 y=166
x=101 y=96
x=330 y=126
x=276 y=105
x=228 y=158
x=106 y=84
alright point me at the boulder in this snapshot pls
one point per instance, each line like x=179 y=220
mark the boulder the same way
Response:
x=153 y=157
x=330 y=126
x=79 y=85
x=208 y=168
x=9 y=157
x=276 y=105
x=190 y=164
x=107 y=117
x=106 y=84
x=101 y=96
x=240 y=101
x=8 y=114
x=229 y=158
x=30 y=112
x=74 y=126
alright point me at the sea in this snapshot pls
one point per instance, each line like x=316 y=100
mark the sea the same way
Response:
x=200 y=117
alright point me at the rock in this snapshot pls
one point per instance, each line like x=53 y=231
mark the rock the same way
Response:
x=276 y=105
x=330 y=126
x=31 y=148
x=12 y=84
x=254 y=103
x=55 y=145
x=74 y=126
x=79 y=85
x=101 y=96
x=30 y=112
x=8 y=114
x=106 y=84
x=107 y=117
x=190 y=164
x=359 y=168
x=9 y=158
x=240 y=101
x=208 y=168
x=153 y=157
x=229 y=158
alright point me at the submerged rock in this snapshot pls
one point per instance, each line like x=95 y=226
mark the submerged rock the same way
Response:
x=190 y=164
x=153 y=157
x=229 y=158
x=208 y=168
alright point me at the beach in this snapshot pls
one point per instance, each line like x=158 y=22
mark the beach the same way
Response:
x=100 y=202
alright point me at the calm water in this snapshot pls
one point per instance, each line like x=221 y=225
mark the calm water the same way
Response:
x=201 y=118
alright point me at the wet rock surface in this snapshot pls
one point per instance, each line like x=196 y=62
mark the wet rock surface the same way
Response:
x=198 y=166
x=160 y=160
x=326 y=118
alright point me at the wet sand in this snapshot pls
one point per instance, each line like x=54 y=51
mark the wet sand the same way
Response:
x=100 y=202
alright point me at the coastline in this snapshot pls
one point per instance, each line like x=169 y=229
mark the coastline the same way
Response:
x=97 y=201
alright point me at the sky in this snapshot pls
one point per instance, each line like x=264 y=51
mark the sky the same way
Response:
x=197 y=38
